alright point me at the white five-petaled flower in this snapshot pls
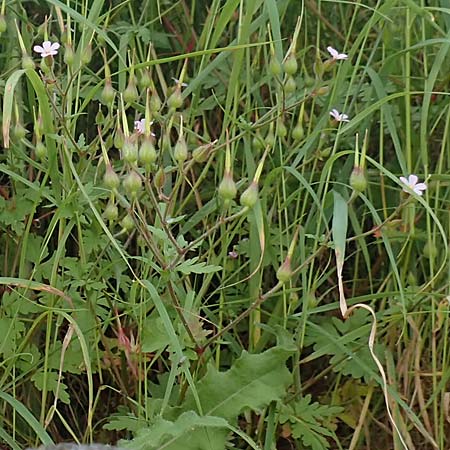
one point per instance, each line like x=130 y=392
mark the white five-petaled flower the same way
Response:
x=339 y=117
x=412 y=183
x=139 y=126
x=335 y=54
x=47 y=49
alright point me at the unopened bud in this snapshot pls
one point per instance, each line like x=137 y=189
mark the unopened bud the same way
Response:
x=69 y=55
x=132 y=184
x=111 y=180
x=155 y=103
x=358 y=180
x=281 y=129
x=269 y=140
x=127 y=223
x=119 y=139
x=111 y=212
x=145 y=81
x=275 y=67
x=200 y=154
x=147 y=152
x=129 y=151
x=19 y=131
x=107 y=95
x=86 y=55
x=227 y=188
x=284 y=273
x=298 y=132
x=40 y=150
x=250 y=196
x=160 y=179
x=257 y=142
x=290 y=85
x=290 y=65
x=175 y=100
x=180 y=152
x=130 y=94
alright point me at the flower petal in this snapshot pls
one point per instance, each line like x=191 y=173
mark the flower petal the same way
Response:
x=412 y=180
x=38 y=49
x=418 y=191
x=55 y=46
x=404 y=180
x=421 y=186
x=332 y=51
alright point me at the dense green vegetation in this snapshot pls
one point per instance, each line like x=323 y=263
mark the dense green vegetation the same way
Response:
x=225 y=224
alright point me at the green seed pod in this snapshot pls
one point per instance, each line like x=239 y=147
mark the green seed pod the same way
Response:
x=132 y=184
x=127 y=223
x=258 y=142
x=290 y=85
x=19 y=131
x=130 y=94
x=430 y=250
x=130 y=151
x=145 y=80
x=111 y=180
x=201 y=154
x=119 y=139
x=86 y=55
x=284 y=273
x=111 y=212
x=160 y=179
x=227 y=188
x=275 y=67
x=3 y=23
x=175 y=100
x=69 y=55
x=298 y=133
x=155 y=103
x=99 y=117
x=323 y=90
x=41 y=150
x=147 y=152
x=27 y=62
x=309 y=81
x=281 y=129
x=107 y=95
x=250 y=196
x=180 y=152
x=358 y=180
x=46 y=65
x=290 y=66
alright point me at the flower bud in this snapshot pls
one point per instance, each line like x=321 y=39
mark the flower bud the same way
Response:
x=130 y=94
x=46 y=65
x=298 y=132
x=111 y=180
x=290 y=66
x=430 y=250
x=160 y=179
x=19 y=131
x=250 y=196
x=155 y=103
x=86 y=55
x=127 y=223
x=180 y=152
x=27 y=62
x=147 y=152
x=269 y=140
x=111 y=212
x=3 y=24
x=290 y=85
x=275 y=67
x=227 y=188
x=200 y=154
x=99 y=117
x=107 y=95
x=284 y=273
x=69 y=55
x=119 y=139
x=132 y=184
x=257 y=142
x=323 y=90
x=358 y=180
x=40 y=150
x=281 y=129
x=145 y=81
x=175 y=100
x=129 y=151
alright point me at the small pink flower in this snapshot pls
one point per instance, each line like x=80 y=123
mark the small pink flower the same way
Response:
x=47 y=49
x=336 y=55
x=412 y=184
x=339 y=117
x=139 y=126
